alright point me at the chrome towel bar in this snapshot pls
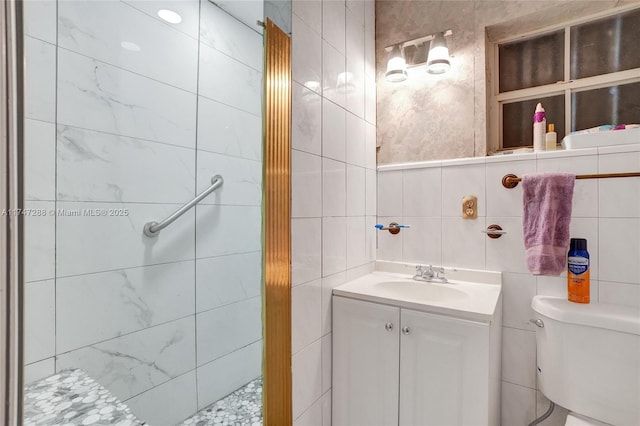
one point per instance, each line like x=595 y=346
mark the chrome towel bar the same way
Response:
x=152 y=229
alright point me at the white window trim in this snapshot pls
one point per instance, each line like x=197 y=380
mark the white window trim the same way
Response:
x=565 y=87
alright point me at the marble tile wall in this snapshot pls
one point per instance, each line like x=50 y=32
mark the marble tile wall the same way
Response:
x=433 y=117
x=334 y=181
x=428 y=197
x=130 y=115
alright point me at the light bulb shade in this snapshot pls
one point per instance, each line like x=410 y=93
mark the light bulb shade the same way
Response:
x=396 y=66
x=438 y=60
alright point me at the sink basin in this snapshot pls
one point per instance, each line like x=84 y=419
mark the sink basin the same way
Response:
x=419 y=290
x=469 y=294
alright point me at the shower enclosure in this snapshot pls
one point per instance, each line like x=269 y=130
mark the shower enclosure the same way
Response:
x=131 y=108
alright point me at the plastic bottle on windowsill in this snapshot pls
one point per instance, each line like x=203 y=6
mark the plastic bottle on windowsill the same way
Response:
x=539 y=128
x=551 y=138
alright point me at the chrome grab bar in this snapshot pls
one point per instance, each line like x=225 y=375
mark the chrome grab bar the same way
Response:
x=152 y=229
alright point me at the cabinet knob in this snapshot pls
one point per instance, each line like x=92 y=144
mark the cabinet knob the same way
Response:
x=405 y=330
x=388 y=326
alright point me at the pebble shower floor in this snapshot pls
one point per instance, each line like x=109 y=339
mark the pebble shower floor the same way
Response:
x=241 y=408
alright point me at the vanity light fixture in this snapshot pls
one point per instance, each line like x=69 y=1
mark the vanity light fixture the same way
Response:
x=396 y=65
x=170 y=16
x=438 y=60
x=430 y=51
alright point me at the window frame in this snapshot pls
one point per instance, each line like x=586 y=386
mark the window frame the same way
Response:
x=566 y=87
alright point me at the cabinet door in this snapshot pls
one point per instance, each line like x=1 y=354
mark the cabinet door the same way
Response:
x=365 y=363
x=444 y=370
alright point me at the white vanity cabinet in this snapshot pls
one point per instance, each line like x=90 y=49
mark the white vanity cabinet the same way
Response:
x=398 y=366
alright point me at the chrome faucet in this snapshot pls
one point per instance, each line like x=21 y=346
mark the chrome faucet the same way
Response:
x=426 y=273
x=423 y=273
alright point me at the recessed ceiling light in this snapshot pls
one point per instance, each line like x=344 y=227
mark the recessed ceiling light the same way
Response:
x=170 y=16
x=130 y=46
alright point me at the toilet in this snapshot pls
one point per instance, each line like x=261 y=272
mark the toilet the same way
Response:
x=589 y=360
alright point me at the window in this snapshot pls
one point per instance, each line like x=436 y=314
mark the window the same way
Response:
x=585 y=74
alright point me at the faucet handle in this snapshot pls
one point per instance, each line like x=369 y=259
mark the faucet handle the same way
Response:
x=440 y=272
x=419 y=269
x=428 y=271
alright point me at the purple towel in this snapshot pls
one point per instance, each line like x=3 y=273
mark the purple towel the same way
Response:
x=546 y=201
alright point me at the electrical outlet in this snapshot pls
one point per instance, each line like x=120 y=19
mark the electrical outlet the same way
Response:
x=470 y=207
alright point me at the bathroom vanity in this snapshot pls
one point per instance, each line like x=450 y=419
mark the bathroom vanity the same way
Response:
x=417 y=353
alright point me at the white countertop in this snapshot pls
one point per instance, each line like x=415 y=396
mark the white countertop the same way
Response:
x=469 y=299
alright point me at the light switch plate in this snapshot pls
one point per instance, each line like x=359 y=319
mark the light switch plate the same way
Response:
x=470 y=207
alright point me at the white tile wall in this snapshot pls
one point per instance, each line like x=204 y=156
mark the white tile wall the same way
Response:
x=226 y=130
x=40 y=19
x=229 y=81
x=334 y=188
x=306 y=250
x=333 y=23
x=518 y=404
x=146 y=358
x=228 y=372
x=39 y=370
x=334 y=125
x=122 y=169
x=179 y=394
x=88 y=28
x=334 y=245
x=422 y=242
x=215 y=29
x=306 y=325
x=458 y=182
x=140 y=305
x=40 y=148
x=310 y=11
x=356 y=241
x=356 y=191
x=328 y=284
x=333 y=67
x=306 y=59
x=39 y=258
x=306 y=367
x=618 y=197
x=39 y=320
x=189 y=10
x=306 y=116
x=422 y=192
x=94 y=95
x=311 y=417
x=605 y=212
x=242 y=179
x=390 y=194
x=306 y=184
x=248 y=11
x=226 y=329
x=227 y=279
x=40 y=80
x=355 y=140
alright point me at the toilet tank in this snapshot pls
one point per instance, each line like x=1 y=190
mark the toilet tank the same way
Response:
x=589 y=358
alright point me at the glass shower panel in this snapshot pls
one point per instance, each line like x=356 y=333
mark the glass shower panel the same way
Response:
x=131 y=107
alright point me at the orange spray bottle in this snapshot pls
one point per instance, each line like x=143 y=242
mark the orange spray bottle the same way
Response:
x=578 y=271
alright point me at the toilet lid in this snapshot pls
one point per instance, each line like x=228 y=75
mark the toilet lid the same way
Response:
x=574 y=419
